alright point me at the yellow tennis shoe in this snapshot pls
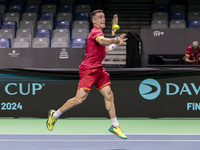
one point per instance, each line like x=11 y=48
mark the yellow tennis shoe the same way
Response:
x=51 y=120
x=117 y=131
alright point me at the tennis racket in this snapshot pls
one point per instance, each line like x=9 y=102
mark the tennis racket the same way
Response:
x=114 y=21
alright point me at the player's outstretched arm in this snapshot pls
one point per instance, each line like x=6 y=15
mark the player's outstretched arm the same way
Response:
x=108 y=41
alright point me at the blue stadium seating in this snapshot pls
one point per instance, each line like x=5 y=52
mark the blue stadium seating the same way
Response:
x=22 y=7
x=45 y=33
x=47 y=16
x=63 y=25
x=194 y=24
x=66 y=8
x=178 y=16
x=9 y=25
x=82 y=16
x=78 y=42
x=160 y=8
x=31 y=9
x=15 y=9
x=5 y=43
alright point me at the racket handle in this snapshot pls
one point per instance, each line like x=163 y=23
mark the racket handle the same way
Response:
x=117 y=37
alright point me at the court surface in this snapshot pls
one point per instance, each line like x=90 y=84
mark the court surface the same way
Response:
x=92 y=134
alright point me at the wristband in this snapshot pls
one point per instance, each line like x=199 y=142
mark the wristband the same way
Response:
x=112 y=46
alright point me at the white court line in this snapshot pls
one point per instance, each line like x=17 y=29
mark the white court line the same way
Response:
x=96 y=134
x=99 y=140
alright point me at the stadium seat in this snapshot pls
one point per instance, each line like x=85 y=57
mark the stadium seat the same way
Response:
x=12 y=17
x=25 y=33
x=80 y=24
x=160 y=8
x=178 y=16
x=43 y=33
x=30 y=16
x=40 y=43
x=31 y=9
x=193 y=8
x=82 y=8
x=80 y=33
x=159 y=24
x=3 y=7
x=63 y=25
x=5 y=42
x=67 y=16
x=58 y=42
x=35 y=2
x=174 y=24
x=194 y=15
x=28 y=26
x=177 y=8
x=47 y=24
x=21 y=42
x=47 y=16
x=15 y=9
x=65 y=8
x=82 y=16
x=7 y=33
x=78 y=42
x=29 y=23
x=10 y=25
x=160 y=16
x=194 y=24
x=61 y=33
x=49 y=9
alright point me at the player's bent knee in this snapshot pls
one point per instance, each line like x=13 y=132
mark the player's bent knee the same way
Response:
x=110 y=96
x=79 y=101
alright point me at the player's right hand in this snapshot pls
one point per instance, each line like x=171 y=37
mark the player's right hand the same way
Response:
x=121 y=39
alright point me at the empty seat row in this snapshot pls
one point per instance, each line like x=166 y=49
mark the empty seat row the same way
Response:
x=45 y=17
x=42 y=43
x=176 y=8
x=155 y=24
x=18 y=8
x=176 y=16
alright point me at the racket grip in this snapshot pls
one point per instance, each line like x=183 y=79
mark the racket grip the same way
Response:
x=117 y=37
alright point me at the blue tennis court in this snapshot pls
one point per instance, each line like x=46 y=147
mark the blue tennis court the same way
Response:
x=97 y=142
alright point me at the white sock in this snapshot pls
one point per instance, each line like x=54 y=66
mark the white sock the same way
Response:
x=57 y=114
x=114 y=121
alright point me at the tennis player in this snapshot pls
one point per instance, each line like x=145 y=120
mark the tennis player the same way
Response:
x=92 y=72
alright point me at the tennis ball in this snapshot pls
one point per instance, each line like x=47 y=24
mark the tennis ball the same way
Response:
x=116 y=27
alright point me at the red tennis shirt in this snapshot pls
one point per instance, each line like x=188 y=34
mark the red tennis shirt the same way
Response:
x=95 y=53
x=189 y=52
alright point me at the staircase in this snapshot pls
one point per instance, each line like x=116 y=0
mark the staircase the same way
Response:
x=133 y=15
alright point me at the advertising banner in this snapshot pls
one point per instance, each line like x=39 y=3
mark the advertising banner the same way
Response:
x=161 y=93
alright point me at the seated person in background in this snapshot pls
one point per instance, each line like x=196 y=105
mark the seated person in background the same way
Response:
x=192 y=55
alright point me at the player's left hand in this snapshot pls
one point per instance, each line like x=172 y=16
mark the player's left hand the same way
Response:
x=121 y=39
